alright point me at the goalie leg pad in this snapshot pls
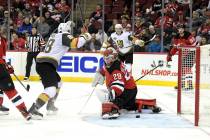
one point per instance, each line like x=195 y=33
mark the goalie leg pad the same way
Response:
x=110 y=111
x=148 y=103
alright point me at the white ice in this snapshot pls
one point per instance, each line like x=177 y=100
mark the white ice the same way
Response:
x=68 y=124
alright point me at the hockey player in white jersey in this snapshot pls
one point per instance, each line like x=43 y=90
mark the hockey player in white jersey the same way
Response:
x=47 y=63
x=123 y=42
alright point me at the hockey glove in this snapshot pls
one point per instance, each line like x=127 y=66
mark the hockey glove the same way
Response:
x=9 y=68
x=98 y=79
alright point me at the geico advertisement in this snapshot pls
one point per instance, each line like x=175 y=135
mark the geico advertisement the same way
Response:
x=85 y=65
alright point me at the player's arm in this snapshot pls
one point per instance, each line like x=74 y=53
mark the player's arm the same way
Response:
x=66 y=39
x=136 y=41
x=173 y=50
x=83 y=39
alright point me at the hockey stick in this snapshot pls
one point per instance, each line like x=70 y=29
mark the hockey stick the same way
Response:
x=27 y=88
x=150 y=39
x=87 y=101
x=160 y=64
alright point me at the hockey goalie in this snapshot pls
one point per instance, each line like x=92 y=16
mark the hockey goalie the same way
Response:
x=121 y=92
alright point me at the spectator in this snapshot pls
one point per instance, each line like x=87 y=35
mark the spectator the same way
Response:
x=18 y=5
x=18 y=43
x=124 y=21
x=19 y=20
x=42 y=27
x=63 y=8
x=26 y=26
x=203 y=41
x=97 y=14
x=155 y=45
x=27 y=12
x=50 y=21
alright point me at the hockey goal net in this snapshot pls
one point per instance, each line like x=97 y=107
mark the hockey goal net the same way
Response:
x=193 y=98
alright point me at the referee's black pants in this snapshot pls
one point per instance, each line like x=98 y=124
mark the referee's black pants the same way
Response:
x=29 y=62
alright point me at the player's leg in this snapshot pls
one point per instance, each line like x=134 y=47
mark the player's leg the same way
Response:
x=48 y=76
x=130 y=99
x=3 y=110
x=51 y=108
x=7 y=86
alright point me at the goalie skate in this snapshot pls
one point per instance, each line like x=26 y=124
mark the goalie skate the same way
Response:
x=4 y=110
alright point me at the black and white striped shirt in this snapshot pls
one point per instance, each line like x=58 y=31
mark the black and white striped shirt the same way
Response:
x=33 y=43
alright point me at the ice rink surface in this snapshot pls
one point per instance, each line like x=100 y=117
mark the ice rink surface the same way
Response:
x=69 y=124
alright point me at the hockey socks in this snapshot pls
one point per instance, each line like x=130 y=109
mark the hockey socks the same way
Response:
x=18 y=102
x=41 y=100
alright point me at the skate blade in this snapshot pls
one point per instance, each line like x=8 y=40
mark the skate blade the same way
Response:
x=4 y=113
x=36 y=117
x=51 y=113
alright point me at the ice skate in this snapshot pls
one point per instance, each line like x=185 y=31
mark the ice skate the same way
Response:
x=4 y=110
x=26 y=115
x=51 y=109
x=36 y=115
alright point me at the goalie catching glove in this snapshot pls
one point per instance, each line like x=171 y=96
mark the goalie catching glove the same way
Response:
x=98 y=79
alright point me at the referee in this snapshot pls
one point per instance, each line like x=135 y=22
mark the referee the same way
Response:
x=34 y=45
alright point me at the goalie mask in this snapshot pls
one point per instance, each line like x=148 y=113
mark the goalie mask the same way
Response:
x=118 y=28
x=65 y=27
x=109 y=55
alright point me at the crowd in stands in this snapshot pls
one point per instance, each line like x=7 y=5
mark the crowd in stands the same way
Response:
x=25 y=14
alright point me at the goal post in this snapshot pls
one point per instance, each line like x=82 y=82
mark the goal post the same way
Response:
x=193 y=94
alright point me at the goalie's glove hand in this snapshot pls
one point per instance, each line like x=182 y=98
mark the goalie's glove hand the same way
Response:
x=112 y=95
x=169 y=58
x=98 y=79
x=9 y=68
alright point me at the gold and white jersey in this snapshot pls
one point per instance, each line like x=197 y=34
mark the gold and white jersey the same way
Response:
x=57 y=45
x=122 y=42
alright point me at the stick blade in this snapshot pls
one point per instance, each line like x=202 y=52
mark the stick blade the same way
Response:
x=28 y=87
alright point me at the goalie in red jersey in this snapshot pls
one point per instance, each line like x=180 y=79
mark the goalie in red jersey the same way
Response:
x=184 y=39
x=121 y=91
x=6 y=84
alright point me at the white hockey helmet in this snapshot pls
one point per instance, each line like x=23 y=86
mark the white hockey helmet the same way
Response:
x=118 y=28
x=65 y=27
x=110 y=55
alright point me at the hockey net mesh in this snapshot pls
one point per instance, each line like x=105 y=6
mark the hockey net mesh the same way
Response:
x=194 y=84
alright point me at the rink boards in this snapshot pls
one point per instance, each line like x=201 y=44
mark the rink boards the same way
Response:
x=81 y=67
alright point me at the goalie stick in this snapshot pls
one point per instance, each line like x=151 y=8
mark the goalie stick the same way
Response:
x=87 y=101
x=27 y=88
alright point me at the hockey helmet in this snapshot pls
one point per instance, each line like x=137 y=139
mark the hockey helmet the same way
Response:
x=118 y=28
x=65 y=27
x=109 y=55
